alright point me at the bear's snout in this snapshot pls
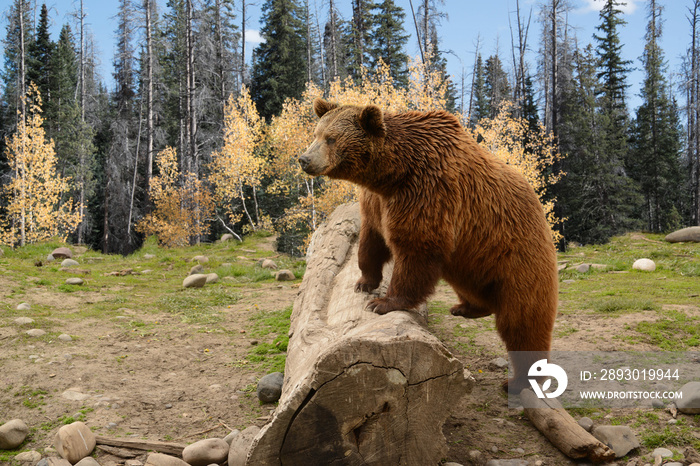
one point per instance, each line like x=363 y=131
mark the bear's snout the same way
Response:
x=304 y=161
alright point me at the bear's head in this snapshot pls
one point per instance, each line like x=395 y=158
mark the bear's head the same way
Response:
x=346 y=138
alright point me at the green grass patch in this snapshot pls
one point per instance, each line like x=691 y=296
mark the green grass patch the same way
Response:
x=668 y=437
x=674 y=331
x=273 y=329
x=197 y=305
x=613 y=304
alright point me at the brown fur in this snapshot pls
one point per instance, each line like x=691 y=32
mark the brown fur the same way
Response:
x=443 y=207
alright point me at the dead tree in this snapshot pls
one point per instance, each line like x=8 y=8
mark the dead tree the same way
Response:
x=359 y=388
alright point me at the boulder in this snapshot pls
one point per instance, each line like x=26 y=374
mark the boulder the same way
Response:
x=268 y=264
x=23 y=307
x=196 y=269
x=159 y=459
x=62 y=253
x=206 y=452
x=239 y=446
x=74 y=281
x=226 y=237
x=35 y=332
x=87 y=461
x=74 y=441
x=645 y=265
x=690 y=403
x=53 y=461
x=31 y=457
x=270 y=387
x=197 y=280
x=12 y=434
x=201 y=259
x=690 y=234
x=69 y=263
x=620 y=439
x=285 y=276
x=212 y=278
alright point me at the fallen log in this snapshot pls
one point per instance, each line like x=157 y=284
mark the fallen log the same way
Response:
x=359 y=388
x=552 y=420
x=169 y=448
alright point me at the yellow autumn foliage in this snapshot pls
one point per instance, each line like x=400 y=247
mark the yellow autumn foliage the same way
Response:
x=36 y=209
x=183 y=206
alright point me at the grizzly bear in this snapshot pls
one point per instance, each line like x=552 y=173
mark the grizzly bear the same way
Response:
x=444 y=207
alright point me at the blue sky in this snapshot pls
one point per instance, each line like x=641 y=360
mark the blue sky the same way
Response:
x=467 y=20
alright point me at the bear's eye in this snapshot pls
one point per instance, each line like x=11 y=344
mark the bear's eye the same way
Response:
x=330 y=141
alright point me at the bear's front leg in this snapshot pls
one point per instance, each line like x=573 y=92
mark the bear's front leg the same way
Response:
x=372 y=254
x=414 y=279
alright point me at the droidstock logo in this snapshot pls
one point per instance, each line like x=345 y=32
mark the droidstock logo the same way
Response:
x=541 y=369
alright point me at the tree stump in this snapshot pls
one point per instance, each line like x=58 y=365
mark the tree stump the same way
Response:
x=360 y=388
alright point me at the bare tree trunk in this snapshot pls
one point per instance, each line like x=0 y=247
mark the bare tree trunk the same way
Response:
x=243 y=20
x=191 y=119
x=334 y=41
x=149 y=103
x=554 y=103
x=22 y=117
x=308 y=43
x=474 y=70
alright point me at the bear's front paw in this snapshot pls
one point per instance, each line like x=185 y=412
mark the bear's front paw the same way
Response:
x=365 y=285
x=468 y=311
x=382 y=306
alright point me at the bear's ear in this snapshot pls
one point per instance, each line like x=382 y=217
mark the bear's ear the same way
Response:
x=372 y=121
x=321 y=107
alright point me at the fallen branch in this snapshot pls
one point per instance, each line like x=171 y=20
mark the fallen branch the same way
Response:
x=550 y=418
x=169 y=448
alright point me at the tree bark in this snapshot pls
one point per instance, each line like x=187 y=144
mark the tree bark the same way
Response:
x=359 y=388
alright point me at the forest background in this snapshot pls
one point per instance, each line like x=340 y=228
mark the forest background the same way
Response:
x=192 y=141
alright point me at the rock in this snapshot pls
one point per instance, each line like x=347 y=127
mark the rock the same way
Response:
x=50 y=258
x=662 y=452
x=35 y=332
x=206 y=452
x=498 y=363
x=512 y=462
x=65 y=337
x=149 y=256
x=30 y=456
x=196 y=269
x=74 y=395
x=24 y=320
x=656 y=403
x=451 y=464
x=80 y=249
x=74 y=441
x=197 y=280
x=23 y=307
x=201 y=259
x=583 y=268
x=53 y=461
x=212 y=278
x=268 y=264
x=133 y=463
x=285 y=276
x=476 y=457
x=645 y=265
x=12 y=434
x=270 y=387
x=69 y=263
x=74 y=281
x=62 y=253
x=159 y=459
x=239 y=447
x=88 y=461
x=690 y=403
x=586 y=423
x=690 y=234
x=234 y=433
x=226 y=237
x=620 y=439
x=673 y=463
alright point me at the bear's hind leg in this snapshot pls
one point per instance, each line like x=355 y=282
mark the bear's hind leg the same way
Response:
x=468 y=309
x=372 y=254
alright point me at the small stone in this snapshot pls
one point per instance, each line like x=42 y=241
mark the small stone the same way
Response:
x=133 y=463
x=197 y=280
x=672 y=421
x=74 y=441
x=586 y=423
x=620 y=439
x=74 y=395
x=205 y=452
x=35 y=332
x=88 y=461
x=645 y=265
x=662 y=452
x=65 y=337
x=24 y=320
x=74 y=281
x=149 y=256
x=28 y=457
x=50 y=258
x=62 y=253
x=690 y=403
x=226 y=237
x=452 y=464
x=673 y=463
x=238 y=452
x=23 y=307
x=268 y=264
x=583 y=268
x=494 y=449
x=229 y=438
x=12 y=434
x=53 y=461
x=201 y=259
x=212 y=278
x=270 y=387
x=512 y=462
x=476 y=457
x=159 y=459
x=498 y=363
x=285 y=276
x=196 y=269
x=69 y=263
x=656 y=403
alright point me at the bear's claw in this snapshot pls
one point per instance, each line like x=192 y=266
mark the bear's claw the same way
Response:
x=365 y=286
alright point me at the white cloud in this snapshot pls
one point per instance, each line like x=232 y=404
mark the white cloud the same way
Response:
x=628 y=8
x=253 y=37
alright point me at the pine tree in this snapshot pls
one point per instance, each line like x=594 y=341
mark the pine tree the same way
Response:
x=480 y=101
x=656 y=142
x=39 y=56
x=388 y=40
x=496 y=85
x=279 y=63
x=335 y=44
x=359 y=44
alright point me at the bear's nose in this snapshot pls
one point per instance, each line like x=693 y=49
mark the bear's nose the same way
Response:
x=304 y=161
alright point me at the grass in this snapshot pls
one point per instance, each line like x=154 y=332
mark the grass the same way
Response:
x=273 y=327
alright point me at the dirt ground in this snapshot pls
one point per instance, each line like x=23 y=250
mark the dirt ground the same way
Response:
x=183 y=382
